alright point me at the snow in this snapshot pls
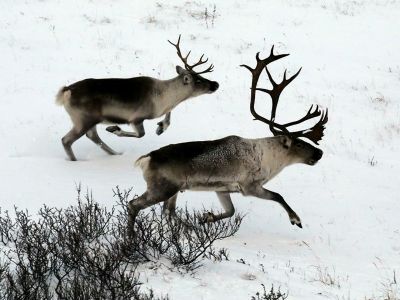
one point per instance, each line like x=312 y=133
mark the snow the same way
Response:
x=348 y=203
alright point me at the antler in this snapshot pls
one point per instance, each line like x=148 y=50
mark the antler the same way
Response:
x=256 y=72
x=314 y=134
x=184 y=59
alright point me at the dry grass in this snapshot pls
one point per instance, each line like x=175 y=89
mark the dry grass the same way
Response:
x=328 y=276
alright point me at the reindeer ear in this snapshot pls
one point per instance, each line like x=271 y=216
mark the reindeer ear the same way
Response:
x=285 y=141
x=180 y=70
x=187 y=79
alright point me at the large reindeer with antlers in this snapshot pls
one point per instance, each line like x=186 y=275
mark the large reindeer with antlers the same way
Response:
x=232 y=164
x=129 y=101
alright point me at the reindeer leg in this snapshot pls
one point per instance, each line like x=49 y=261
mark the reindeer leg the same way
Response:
x=138 y=127
x=229 y=209
x=94 y=137
x=169 y=206
x=150 y=197
x=74 y=134
x=260 y=192
x=164 y=124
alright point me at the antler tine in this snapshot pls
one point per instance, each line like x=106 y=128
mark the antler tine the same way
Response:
x=316 y=132
x=178 y=51
x=187 y=56
x=310 y=115
x=247 y=67
x=258 y=54
x=262 y=63
x=200 y=61
x=185 y=59
x=209 y=69
x=177 y=44
x=270 y=77
x=283 y=83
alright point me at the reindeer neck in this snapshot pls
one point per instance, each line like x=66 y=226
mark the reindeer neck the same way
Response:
x=274 y=155
x=173 y=92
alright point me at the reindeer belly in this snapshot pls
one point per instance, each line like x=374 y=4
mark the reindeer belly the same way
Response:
x=216 y=187
x=212 y=185
x=117 y=114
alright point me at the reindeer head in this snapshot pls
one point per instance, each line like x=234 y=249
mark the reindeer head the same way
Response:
x=192 y=78
x=291 y=141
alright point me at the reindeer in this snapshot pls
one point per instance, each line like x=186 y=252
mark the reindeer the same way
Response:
x=129 y=101
x=232 y=164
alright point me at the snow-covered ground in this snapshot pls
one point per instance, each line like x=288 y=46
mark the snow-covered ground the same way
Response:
x=349 y=203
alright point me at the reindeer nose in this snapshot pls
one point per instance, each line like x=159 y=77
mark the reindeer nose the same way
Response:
x=214 y=86
x=318 y=154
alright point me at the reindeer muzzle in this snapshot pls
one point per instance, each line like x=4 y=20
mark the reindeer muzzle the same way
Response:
x=214 y=86
x=316 y=157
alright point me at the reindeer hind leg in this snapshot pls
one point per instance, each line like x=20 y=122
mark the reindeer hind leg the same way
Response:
x=74 y=134
x=162 y=192
x=229 y=209
x=94 y=137
x=81 y=124
x=169 y=206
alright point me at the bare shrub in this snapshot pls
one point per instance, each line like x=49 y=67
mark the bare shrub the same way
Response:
x=83 y=251
x=220 y=255
x=183 y=239
x=199 y=12
x=270 y=295
x=328 y=277
x=209 y=16
x=65 y=254
x=372 y=161
x=389 y=289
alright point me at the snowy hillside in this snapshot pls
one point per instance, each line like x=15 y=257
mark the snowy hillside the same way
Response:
x=349 y=247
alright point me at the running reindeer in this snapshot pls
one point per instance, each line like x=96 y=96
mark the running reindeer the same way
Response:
x=232 y=164
x=129 y=101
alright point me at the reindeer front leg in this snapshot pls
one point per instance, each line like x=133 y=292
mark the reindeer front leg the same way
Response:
x=138 y=128
x=260 y=192
x=164 y=124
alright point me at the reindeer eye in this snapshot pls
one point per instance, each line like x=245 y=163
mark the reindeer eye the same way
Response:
x=198 y=81
x=300 y=146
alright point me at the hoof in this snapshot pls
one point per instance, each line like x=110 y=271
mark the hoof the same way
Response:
x=116 y=153
x=160 y=129
x=112 y=129
x=207 y=217
x=296 y=221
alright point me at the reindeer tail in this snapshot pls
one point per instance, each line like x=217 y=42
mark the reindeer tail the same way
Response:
x=143 y=162
x=63 y=96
